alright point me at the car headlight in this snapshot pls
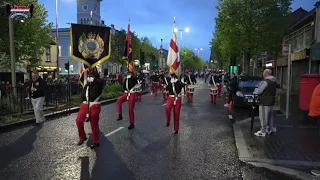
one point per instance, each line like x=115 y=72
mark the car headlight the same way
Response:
x=239 y=94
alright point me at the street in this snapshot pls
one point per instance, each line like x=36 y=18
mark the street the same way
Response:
x=203 y=149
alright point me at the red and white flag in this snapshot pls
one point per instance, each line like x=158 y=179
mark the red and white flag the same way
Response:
x=173 y=60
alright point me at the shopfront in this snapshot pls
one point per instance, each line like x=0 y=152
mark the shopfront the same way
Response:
x=44 y=71
x=300 y=65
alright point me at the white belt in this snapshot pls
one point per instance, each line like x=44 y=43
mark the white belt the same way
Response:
x=91 y=103
x=174 y=95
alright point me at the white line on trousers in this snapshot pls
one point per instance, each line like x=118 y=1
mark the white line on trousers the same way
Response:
x=109 y=134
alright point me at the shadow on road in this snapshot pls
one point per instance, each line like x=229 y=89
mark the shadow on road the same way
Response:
x=14 y=151
x=108 y=163
x=85 y=172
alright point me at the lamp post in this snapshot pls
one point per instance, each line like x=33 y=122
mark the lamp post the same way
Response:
x=198 y=50
x=187 y=30
x=57 y=42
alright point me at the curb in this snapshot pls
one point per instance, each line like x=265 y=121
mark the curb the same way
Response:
x=54 y=115
x=273 y=165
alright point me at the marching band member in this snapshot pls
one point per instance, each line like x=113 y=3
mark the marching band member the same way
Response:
x=213 y=89
x=218 y=81
x=140 y=81
x=90 y=108
x=128 y=95
x=165 y=82
x=189 y=79
x=174 y=101
x=155 y=83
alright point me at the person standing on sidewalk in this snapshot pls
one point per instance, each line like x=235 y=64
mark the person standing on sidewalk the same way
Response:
x=267 y=97
x=37 y=92
x=90 y=108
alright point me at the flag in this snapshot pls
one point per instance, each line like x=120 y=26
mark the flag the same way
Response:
x=127 y=53
x=90 y=45
x=83 y=74
x=173 y=60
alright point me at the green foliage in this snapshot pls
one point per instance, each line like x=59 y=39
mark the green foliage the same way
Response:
x=30 y=37
x=113 y=88
x=248 y=27
x=190 y=60
x=118 y=44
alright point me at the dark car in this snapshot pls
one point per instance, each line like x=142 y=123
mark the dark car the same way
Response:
x=246 y=85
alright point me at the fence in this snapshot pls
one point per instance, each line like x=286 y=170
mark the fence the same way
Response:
x=55 y=96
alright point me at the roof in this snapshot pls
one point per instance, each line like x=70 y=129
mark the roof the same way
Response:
x=303 y=19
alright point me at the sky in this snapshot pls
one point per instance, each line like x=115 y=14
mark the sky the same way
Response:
x=154 y=19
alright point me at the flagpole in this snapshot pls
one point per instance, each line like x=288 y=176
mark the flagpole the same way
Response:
x=128 y=50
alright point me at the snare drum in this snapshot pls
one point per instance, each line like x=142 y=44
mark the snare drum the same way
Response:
x=137 y=88
x=191 y=89
x=214 y=90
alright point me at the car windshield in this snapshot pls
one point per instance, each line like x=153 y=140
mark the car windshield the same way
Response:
x=248 y=86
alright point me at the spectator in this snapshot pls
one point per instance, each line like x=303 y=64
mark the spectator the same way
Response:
x=267 y=97
x=37 y=92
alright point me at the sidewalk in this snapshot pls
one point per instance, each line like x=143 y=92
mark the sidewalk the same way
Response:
x=291 y=150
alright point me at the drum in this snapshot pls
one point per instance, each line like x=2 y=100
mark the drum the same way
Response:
x=191 y=89
x=214 y=90
x=137 y=88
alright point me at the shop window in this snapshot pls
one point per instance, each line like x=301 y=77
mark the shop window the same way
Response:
x=308 y=36
x=59 y=51
x=48 y=55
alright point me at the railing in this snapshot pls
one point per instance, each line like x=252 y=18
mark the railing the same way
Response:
x=55 y=96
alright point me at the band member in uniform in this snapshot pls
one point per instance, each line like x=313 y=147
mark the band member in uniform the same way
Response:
x=155 y=83
x=140 y=81
x=165 y=82
x=189 y=79
x=174 y=101
x=129 y=95
x=213 y=88
x=218 y=81
x=90 y=108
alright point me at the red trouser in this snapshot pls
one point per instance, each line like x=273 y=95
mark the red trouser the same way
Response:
x=213 y=97
x=94 y=121
x=176 y=111
x=155 y=87
x=189 y=95
x=131 y=104
x=164 y=94
x=138 y=96
x=219 y=89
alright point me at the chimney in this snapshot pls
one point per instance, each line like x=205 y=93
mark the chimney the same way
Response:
x=112 y=28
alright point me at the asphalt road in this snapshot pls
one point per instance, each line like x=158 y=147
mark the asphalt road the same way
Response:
x=204 y=148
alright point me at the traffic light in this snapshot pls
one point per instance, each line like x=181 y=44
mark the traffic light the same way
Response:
x=66 y=66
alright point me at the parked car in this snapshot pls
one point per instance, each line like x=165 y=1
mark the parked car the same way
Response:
x=246 y=85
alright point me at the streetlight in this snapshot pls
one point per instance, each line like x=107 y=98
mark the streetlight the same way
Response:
x=198 y=50
x=187 y=30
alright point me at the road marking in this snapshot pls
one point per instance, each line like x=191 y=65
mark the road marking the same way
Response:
x=230 y=116
x=164 y=104
x=109 y=134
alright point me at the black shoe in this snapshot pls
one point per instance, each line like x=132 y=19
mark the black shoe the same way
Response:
x=167 y=124
x=81 y=142
x=131 y=126
x=119 y=117
x=176 y=132
x=211 y=101
x=214 y=102
x=94 y=146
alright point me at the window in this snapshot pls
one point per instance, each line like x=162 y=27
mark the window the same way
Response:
x=85 y=7
x=81 y=22
x=48 y=55
x=70 y=50
x=71 y=67
x=95 y=8
x=59 y=51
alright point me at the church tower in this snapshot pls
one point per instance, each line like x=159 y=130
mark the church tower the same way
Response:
x=84 y=7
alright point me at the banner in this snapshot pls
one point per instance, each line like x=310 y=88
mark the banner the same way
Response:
x=90 y=45
x=127 y=53
x=173 y=60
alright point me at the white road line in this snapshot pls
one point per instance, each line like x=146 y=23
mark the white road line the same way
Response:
x=164 y=104
x=109 y=134
x=230 y=116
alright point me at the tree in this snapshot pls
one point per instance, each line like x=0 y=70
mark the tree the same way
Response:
x=31 y=37
x=189 y=60
x=246 y=27
x=117 y=46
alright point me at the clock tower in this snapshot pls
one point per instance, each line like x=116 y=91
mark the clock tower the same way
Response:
x=84 y=7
